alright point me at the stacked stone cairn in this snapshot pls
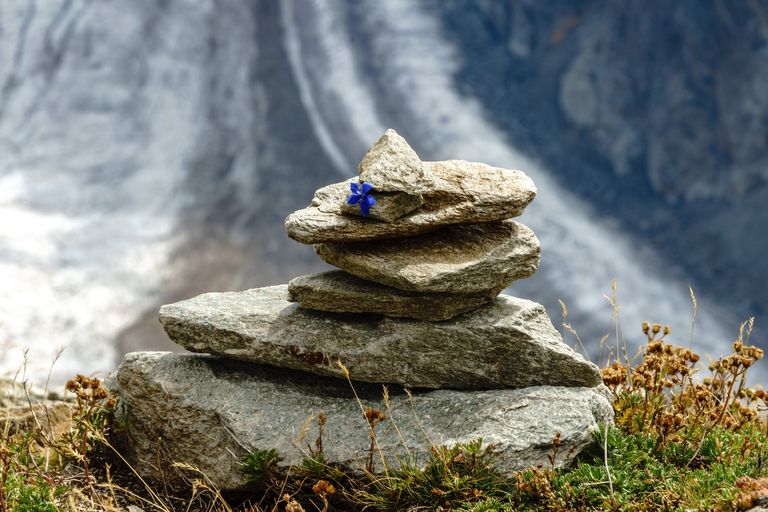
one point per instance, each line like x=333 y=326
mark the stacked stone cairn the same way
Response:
x=415 y=305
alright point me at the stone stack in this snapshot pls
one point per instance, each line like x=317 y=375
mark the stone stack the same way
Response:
x=415 y=305
x=445 y=244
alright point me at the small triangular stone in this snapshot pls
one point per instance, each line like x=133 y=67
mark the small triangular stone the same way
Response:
x=391 y=165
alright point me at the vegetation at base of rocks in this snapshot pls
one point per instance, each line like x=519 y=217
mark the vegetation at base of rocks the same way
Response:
x=682 y=441
x=689 y=435
x=45 y=459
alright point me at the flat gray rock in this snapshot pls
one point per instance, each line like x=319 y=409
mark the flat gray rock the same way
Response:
x=470 y=258
x=508 y=343
x=339 y=292
x=391 y=165
x=463 y=193
x=211 y=412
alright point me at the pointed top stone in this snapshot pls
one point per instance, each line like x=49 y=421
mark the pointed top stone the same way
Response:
x=391 y=165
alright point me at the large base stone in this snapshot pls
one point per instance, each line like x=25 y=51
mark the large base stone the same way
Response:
x=508 y=343
x=210 y=412
x=470 y=258
x=339 y=292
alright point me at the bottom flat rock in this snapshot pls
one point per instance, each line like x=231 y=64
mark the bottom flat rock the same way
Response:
x=210 y=412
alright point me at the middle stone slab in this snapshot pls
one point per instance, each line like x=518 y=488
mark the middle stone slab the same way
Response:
x=509 y=343
x=469 y=258
x=338 y=292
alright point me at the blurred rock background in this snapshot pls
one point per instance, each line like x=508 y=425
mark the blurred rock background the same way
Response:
x=150 y=150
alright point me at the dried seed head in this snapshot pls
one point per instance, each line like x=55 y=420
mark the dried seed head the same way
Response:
x=374 y=416
x=323 y=487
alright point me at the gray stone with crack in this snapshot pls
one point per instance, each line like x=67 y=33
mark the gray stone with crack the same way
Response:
x=509 y=343
x=209 y=412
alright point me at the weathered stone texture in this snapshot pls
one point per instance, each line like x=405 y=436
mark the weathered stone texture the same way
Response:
x=339 y=292
x=391 y=165
x=209 y=412
x=471 y=258
x=464 y=193
x=508 y=343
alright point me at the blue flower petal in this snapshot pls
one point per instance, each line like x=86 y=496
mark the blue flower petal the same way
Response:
x=365 y=207
x=354 y=198
x=354 y=187
x=370 y=200
x=367 y=187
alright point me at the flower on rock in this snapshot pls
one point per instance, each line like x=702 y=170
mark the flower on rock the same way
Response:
x=361 y=196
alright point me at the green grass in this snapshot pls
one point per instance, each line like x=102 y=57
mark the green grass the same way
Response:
x=646 y=477
x=24 y=488
x=31 y=494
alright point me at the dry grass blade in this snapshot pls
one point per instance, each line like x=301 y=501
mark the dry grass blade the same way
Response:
x=694 y=311
x=568 y=328
x=363 y=410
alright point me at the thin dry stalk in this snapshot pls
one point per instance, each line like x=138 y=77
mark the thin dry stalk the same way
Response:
x=605 y=461
x=206 y=485
x=432 y=445
x=615 y=324
x=568 y=328
x=156 y=501
x=694 y=310
x=374 y=441
x=390 y=413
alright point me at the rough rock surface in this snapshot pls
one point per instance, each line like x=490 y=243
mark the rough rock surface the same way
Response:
x=339 y=292
x=209 y=412
x=391 y=165
x=53 y=417
x=469 y=258
x=508 y=343
x=389 y=205
x=464 y=192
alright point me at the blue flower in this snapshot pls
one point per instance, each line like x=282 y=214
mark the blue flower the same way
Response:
x=361 y=196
